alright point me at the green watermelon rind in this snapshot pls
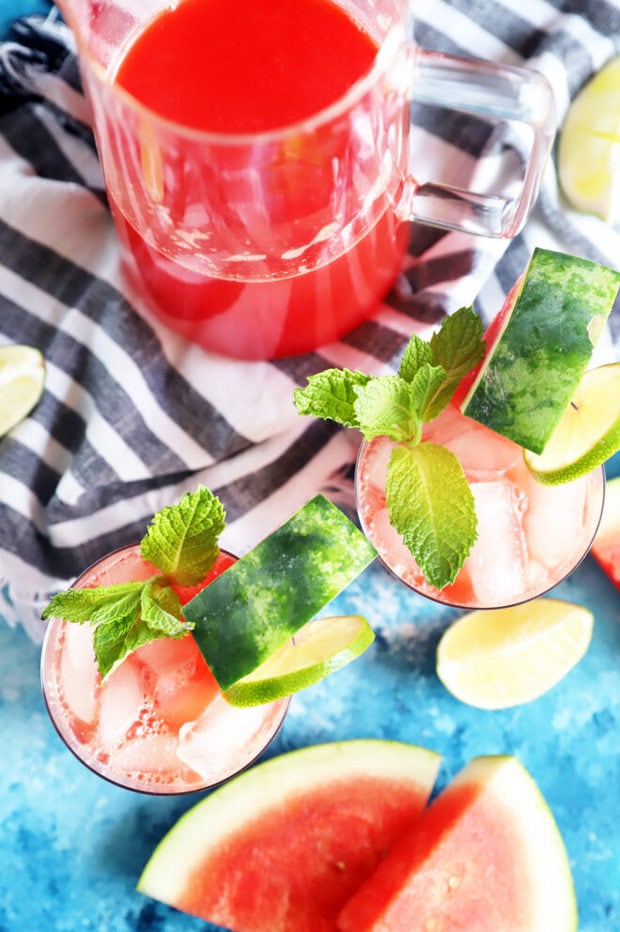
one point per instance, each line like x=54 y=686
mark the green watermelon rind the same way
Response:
x=531 y=372
x=253 y=608
x=541 y=864
x=265 y=787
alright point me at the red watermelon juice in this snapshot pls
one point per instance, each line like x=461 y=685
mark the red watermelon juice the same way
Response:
x=158 y=722
x=267 y=245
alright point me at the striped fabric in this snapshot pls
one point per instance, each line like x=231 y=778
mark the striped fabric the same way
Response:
x=132 y=415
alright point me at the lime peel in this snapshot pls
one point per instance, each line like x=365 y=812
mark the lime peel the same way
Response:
x=588 y=432
x=319 y=648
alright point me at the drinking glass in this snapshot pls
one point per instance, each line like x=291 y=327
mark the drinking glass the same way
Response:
x=158 y=723
x=530 y=536
x=270 y=244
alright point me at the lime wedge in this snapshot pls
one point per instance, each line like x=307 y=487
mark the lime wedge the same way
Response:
x=589 y=146
x=22 y=377
x=588 y=432
x=319 y=648
x=498 y=658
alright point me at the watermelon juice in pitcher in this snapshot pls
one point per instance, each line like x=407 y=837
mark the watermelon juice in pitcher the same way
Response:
x=257 y=157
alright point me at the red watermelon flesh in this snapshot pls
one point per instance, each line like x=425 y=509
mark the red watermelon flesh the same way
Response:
x=485 y=855
x=295 y=869
x=606 y=546
x=283 y=846
x=491 y=335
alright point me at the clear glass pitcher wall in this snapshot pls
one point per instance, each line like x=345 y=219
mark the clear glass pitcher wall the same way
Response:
x=273 y=244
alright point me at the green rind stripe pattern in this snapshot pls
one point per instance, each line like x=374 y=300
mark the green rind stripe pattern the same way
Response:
x=536 y=365
x=249 y=611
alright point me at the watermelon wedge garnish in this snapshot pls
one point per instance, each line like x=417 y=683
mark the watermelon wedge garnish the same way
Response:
x=541 y=346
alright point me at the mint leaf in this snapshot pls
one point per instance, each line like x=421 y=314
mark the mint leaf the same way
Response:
x=331 y=395
x=457 y=347
x=182 y=540
x=431 y=506
x=417 y=353
x=387 y=406
x=161 y=610
x=113 y=640
x=429 y=500
x=98 y=604
x=427 y=384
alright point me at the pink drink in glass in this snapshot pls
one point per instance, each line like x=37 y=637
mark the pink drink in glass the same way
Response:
x=530 y=536
x=158 y=723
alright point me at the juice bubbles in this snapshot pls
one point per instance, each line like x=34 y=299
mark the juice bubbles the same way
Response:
x=158 y=723
x=255 y=231
x=530 y=536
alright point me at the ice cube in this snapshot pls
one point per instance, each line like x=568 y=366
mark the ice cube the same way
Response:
x=375 y=463
x=553 y=521
x=497 y=561
x=78 y=671
x=78 y=646
x=450 y=425
x=122 y=701
x=223 y=739
x=164 y=655
x=151 y=754
x=483 y=453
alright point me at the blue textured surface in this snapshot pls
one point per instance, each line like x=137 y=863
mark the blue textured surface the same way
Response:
x=72 y=847
x=10 y=10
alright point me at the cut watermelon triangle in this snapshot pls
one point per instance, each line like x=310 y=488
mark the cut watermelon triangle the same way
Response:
x=284 y=845
x=486 y=856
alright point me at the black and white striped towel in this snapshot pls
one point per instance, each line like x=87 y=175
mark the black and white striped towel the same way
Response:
x=132 y=415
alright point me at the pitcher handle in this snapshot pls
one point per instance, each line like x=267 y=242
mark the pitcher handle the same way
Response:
x=512 y=98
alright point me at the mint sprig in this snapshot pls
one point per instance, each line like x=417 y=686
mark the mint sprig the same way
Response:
x=182 y=539
x=182 y=543
x=428 y=498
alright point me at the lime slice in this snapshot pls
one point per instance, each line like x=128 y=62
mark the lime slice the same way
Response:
x=22 y=376
x=589 y=146
x=499 y=658
x=319 y=648
x=588 y=432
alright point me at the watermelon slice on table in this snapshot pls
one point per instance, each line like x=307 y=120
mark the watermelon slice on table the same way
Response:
x=486 y=855
x=537 y=355
x=283 y=846
x=606 y=546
